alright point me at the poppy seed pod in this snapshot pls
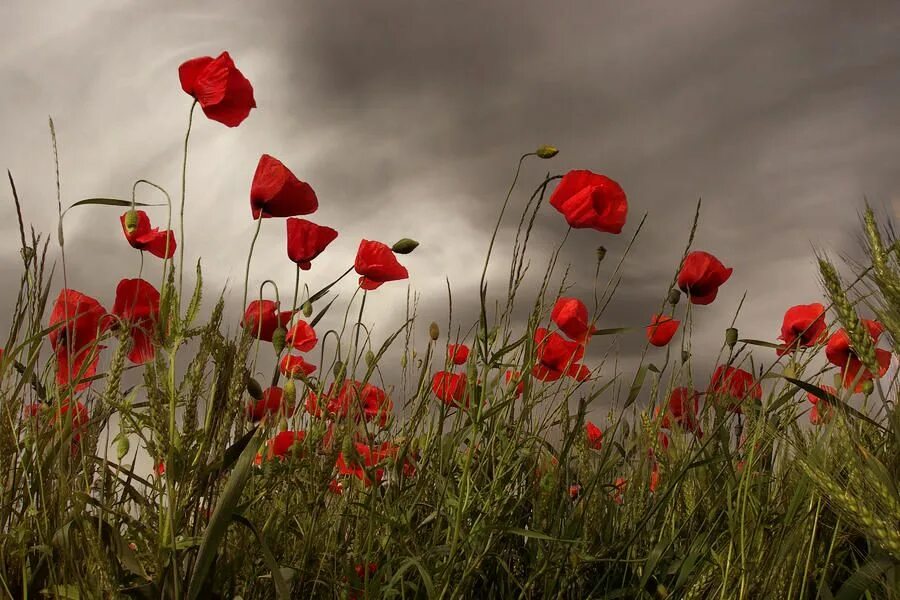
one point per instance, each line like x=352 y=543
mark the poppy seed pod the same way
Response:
x=674 y=296
x=131 y=221
x=546 y=151
x=307 y=309
x=434 y=332
x=731 y=336
x=254 y=389
x=404 y=246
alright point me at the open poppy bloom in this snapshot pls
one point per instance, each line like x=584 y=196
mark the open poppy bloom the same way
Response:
x=137 y=306
x=302 y=337
x=458 y=353
x=682 y=408
x=262 y=318
x=269 y=404
x=821 y=411
x=367 y=458
x=276 y=191
x=294 y=367
x=306 y=240
x=701 y=276
x=735 y=384
x=353 y=398
x=158 y=243
x=450 y=388
x=661 y=330
x=281 y=445
x=376 y=264
x=571 y=316
x=80 y=321
x=839 y=352
x=557 y=356
x=803 y=327
x=589 y=200
x=594 y=436
x=222 y=91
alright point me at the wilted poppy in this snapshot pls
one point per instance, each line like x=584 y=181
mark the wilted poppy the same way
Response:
x=262 y=318
x=803 y=326
x=302 y=337
x=222 y=91
x=571 y=316
x=701 y=275
x=269 y=404
x=589 y=200
x=137 y=306
x=450 y=388
x=661 y=330
x=294 y=366
x=156 y=242
x=376 y=264
x=276 y=191
x=306 y=240
x=594 y=436
x=735 y=384
x=840 y=353
x=80 y=320
x=458 y=353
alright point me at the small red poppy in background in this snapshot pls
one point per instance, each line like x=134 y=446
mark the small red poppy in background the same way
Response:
x=306 y=240
x=575 y=491
x=276 y=191
x=376 y=264
x=619 y=488
x=839 y=352
x=269 y=404
x=369 y=458
x=821 y=411
x=701 y=276
x=301 y=337
x=458 y=353
x=682 y=407
x=336 y=487
x=295 y=366
x=80 y=320
x=594 y=436
x=515 y=377
x=557 y=356
x=158 y=243
x=735 y=384
x=589 y=200
x=137 y=306
x=661 y=330
x=450 y=388
x=571 y=316
x=222 y=91
x=654 y=477
x=262 y=318
x=803 y=326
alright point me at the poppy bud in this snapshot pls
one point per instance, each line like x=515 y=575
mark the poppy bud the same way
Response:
x=601 y=254
x=122 y=446
x=434 y=332
x=685 y=356
x=254 y=389
x=370 y=358
x=404 y=246
x=289 y=393
x=789 y=371
x=674 y=296
x=338 y=370
x=547 y=151
x=307 y=309
x=278 y=339
x=868 y=387
x=731 y=336
x=347 y=448
x=131 y=221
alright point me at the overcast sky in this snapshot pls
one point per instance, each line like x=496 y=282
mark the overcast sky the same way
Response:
x=407 y=118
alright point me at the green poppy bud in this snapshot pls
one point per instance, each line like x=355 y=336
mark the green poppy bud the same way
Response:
x=370 y=358
x=307 y=309
x=254 y=389
x=289 y=393
x=674 y=296
x=731 y=336
x=434 y=332
x=278 y=339
x=131 y=221
x=868 y=387
x=601 y=254
x=546 y=151
x=404 y=246
x=122 y=446
x=338 y=370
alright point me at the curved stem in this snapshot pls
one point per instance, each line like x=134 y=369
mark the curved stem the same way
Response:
x=187 y=137
x=249 y=258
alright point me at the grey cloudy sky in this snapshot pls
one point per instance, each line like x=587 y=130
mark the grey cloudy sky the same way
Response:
x=407 y=118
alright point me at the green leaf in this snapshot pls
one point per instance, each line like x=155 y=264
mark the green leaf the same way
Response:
x=636 y=386
x=507 y=348
x=282 y=591
x=760 y=343
x=612 y=331
x=537 y=535
x=833 y=400
x=106 y=202
x=863 y=580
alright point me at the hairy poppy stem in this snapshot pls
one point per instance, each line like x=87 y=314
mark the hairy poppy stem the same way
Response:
x=249 y=258
x=187 y=137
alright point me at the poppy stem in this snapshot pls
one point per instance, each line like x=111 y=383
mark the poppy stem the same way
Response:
x=249 y=258
x=187 y=137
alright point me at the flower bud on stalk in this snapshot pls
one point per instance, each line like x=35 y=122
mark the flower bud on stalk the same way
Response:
x=868 y=387
x=289 y=392
x=404 y=246
x=254 y=389
x=122 y=446
x=338 y=370
x=546 y=151
x=601 y=254
x=307 y=309
x=131 y=221
x=370 y=359
x=731 y=336
x=434 y=332
x=278 y=339
x=674 y=296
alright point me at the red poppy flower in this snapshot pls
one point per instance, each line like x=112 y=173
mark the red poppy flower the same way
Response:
x=451 y=388
x=262 y=318
x=594 y=435
x=353 y=397
x=301 y=337
x=369 y=458
x=589 y=200
x=682 y=408
x=269 y=404
x=571 y=316
x=619 y=488
x=33 y=409
x=661 y=330
x=376 y=264
x=839 y=352
x=701 y=275
x=156 y=242
x=81 y=320
x=336 y=487
x=803 y=326
x=276 y=192
x=458 y=353
x=663 y=440
x=306 y=240
x=160 y=468
x=654 y=477
x=735 y=384
x=516 y=376
x=821 y=411
x=284 y=441
x=293 y=366
x=222 y=91
x=80 y=417
x=557 y=356
x=137 y=306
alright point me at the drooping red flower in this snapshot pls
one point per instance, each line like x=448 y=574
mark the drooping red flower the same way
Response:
x=682 y=407
x=158 y=243
x=222 y=91
x=661 y=330
x=306 y=240
x=839 y=352
x=557 y=356
x=137 y=306
x=589 y=200
x=301 y=337
x=515 y=376
x=269 y=404
x=262 y=318
x=458 y=353
x=571 y=316
x=594 y=436
x=701 y=276
x=821 y=411
x=376 y=264
x=276 y=191
x=451 y=388
x=736 y=385
x=294 y=366
x=803 y=326
x=80 y=320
